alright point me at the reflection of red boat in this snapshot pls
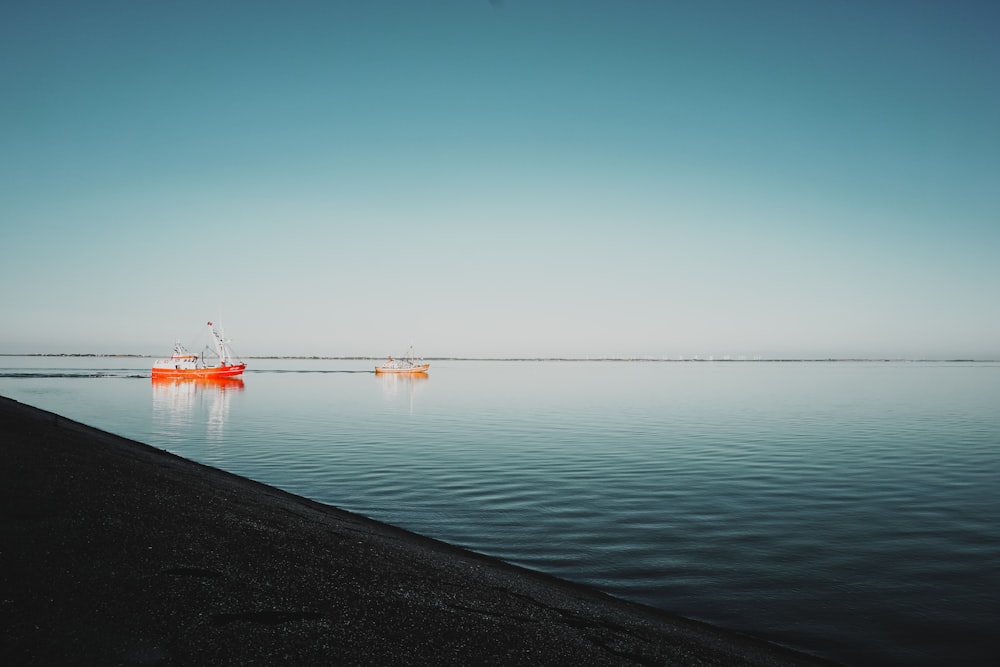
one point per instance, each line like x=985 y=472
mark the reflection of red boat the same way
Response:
x=183 y=364
x=220 y=383
x=409 y=365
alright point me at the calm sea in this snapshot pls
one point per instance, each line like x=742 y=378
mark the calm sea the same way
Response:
x=847 y=509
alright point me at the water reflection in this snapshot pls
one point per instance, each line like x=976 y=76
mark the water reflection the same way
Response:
x=179 y=401
x=394 y=384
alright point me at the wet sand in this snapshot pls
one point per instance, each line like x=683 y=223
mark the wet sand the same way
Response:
x=114 y=552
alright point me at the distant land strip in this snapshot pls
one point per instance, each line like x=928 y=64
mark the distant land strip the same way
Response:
x=710 y=359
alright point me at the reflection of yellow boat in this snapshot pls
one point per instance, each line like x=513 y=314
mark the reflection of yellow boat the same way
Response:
x=409 y=365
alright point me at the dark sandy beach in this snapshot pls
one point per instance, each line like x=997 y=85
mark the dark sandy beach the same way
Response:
x=114 y=552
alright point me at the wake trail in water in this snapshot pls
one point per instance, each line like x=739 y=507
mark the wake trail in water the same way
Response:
x=83 y=374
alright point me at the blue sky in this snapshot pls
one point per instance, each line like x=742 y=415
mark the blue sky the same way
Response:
x=618 y=178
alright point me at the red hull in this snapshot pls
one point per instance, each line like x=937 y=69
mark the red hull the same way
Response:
x=214 y=372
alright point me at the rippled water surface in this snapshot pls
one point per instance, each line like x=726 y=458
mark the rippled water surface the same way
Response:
x=848 y=509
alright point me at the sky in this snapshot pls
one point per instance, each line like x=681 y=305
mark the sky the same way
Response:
x=518 y=178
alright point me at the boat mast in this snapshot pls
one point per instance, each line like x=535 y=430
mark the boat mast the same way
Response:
x=220 y=344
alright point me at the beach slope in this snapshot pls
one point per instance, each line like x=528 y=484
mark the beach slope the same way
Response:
x=114 y=552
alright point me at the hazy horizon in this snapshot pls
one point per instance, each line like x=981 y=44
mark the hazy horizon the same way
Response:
x=709 y=358
x=517 y=179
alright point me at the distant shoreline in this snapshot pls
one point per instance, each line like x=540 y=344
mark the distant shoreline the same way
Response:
x=767 y=360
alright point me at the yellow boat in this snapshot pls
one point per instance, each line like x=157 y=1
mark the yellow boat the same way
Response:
x=407 y=365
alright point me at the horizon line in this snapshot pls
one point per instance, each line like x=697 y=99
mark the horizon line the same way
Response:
x=698 y=358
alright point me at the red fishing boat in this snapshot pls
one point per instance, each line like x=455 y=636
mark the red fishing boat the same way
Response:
x=217 y=363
